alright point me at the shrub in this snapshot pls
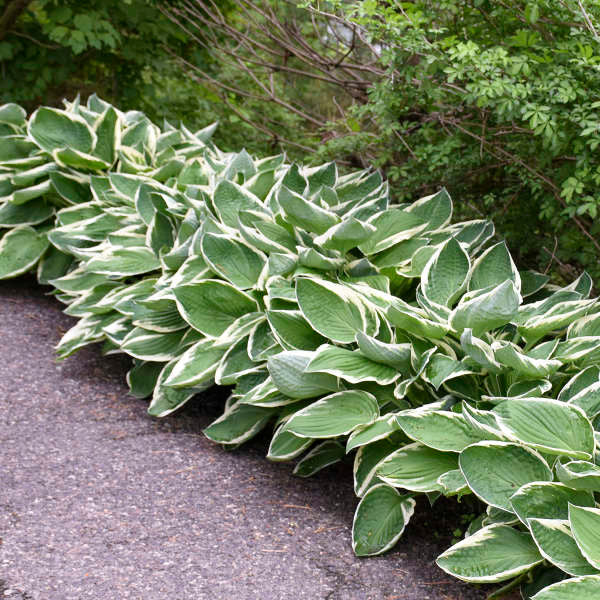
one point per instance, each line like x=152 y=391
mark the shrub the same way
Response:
x=497 y=101
x=343 y=323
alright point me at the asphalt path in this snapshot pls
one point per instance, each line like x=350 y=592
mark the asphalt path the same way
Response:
x=98 y=500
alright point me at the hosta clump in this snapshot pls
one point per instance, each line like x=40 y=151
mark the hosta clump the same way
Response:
x=344 y=324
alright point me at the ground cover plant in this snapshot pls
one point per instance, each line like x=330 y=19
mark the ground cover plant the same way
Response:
x=342 y=324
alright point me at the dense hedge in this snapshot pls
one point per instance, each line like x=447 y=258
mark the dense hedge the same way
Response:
x=343 y=324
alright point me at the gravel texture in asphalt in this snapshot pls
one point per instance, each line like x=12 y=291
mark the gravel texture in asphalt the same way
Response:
x=98 y=500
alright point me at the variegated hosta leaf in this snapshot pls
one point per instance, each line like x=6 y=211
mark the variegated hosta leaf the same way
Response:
x=577 y=588
x=210 y=306
x=332 y=309
x=288 y=372
x=547 y=500
x=445 y=275
x=495 y=470
x=380 y=519
x=20 y=249
x=484 y=310
x=579 y=475
x=494 y=553
x=349 y=365
x=53 y=129
x=366 y=462
x=287 y=446
x=166 y=400
x=494 y=267
x=196 y=365
x=334 y=415
x=549 y=426
x=238 y=424
x=585 y=526
x=322 y=455
x=380 y=428
x=416 y=468
x=442 y=430
x=557 y=545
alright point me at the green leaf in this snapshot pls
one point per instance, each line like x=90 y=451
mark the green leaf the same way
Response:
x=585 y=526
x=20 y=250
x=333 y=415
x=74 y=159
x=51 y=129
x=393 y=355
x=304 y=214
x=557 y=545
x=510 y=355
x=332 y=309
x=142 y=378
x=12 y=114
x=435 y=210
x=391 y=227
x=229 y=199
x=442 y=430
x=445 y=275
x=166 y=400
x=494 y=267
x=196 y=365
x=547 y=500
x=486 y=310
x=350 y=365
x=292 y=330
x=492 y=554
x=579 y=475
x=233 y=260
x=367 y=434
x=286 y=446
x=578 y=588
x=32 y=213
x=345 y=235
x=379 y=520
x=496 y=470
x=124 y=262
x=151 y=345
x=210 y=306
x=549 y=426
x=321 y=456
x=416 y=467
x=238 y=424
x=287 y=369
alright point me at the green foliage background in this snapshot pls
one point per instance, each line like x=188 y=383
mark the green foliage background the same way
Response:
x=497 y=101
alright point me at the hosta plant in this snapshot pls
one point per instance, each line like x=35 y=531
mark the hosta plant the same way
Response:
x=344 y=326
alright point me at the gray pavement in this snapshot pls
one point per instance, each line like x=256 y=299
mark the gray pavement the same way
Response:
x=98 y=500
